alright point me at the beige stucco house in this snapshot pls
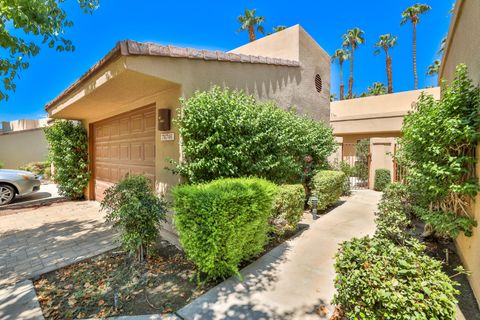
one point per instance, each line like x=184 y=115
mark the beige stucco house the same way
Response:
x=462 y=46
x=122 y=99
x=377 y=118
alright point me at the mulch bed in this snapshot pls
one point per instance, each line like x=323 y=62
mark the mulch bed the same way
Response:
x=111 y=284
x=445 y=250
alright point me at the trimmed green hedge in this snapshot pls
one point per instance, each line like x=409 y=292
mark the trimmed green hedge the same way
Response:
x=288 y=207
x=329 y=186
x=382 y=179
x=224 y=222
x=377 y=279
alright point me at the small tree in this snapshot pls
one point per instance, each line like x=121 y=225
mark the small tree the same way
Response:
x=68 y=151
x=137 y=211
x=23 y=22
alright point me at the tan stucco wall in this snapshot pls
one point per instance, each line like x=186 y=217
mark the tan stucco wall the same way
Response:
x=21 y=147
x=381 y=151
x=463 y=43
x=288 y=86
x=376 y=115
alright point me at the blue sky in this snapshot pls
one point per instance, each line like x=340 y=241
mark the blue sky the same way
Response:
x=213 y=25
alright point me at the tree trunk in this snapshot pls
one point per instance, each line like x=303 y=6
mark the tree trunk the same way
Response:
x=251 y=33
x=342 y=87
x=389 y=74
x=350 y=80
x=415 y=77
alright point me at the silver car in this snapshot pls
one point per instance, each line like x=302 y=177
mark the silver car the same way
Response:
x=16 y=183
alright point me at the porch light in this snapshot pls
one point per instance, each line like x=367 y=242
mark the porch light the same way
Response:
x=314 y=200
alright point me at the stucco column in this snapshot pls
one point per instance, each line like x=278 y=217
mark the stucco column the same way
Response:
x=381 y=157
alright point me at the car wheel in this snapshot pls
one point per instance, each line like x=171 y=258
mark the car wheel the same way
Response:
x=7 y=194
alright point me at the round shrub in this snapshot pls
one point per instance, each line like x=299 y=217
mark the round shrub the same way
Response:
x=329 y=186
x=377 y=279
x=227 y=133
x=224 y=222
x=288 y=207
x=382 y=179
x=68 y=151
x=136 y=211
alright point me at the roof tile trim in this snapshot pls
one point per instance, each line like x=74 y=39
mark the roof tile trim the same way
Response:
x=153 y=49
x=134 y=48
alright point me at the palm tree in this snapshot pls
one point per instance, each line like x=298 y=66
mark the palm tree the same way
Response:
x=249 y=21
x=376 y=89
x=386 y=42
x=279 y=28
x=341 y=55
x=351 y=39
x=434 y=68
x=412 y=14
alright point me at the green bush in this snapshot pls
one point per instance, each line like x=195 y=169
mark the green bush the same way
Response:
x=2 y=164
x=446 y=224
x=226 y=133
x=382 y=179
x=288 y=207
x=377 y=279
x=438 y=151
x=68 y=151
x=328 y=185
x=136 y=211
x=392 y=217
x=42 y=168
x=224 y=222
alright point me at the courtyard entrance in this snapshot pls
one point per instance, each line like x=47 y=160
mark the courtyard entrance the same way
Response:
x=356 y=160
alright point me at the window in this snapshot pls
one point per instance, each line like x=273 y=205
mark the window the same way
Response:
x=318 y=83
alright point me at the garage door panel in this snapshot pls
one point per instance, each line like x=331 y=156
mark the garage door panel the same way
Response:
x=124 y=144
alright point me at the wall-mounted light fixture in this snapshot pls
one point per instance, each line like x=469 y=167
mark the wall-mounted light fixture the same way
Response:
x=164 y=119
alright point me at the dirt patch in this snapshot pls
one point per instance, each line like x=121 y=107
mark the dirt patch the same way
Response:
x=112 y=284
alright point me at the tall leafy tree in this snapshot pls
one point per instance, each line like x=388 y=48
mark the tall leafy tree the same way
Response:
x=412 y=14
x=351 y=39
x=387 y=42
x=250 y=22
x=26 y=25
x=341 y=55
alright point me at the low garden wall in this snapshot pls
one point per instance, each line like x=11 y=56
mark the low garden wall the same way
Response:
x=17 y=148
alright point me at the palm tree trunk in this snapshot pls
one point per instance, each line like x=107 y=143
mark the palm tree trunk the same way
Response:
x=350 y=80
x=389 y=74
x=342 y=87
x=251 y=33
x=415 y=77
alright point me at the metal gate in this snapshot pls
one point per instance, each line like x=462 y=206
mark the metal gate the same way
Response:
x=356 y=163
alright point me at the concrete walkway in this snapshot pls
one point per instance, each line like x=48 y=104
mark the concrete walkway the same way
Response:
x=295 y=280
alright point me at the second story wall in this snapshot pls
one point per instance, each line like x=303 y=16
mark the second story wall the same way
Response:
x=375 y=115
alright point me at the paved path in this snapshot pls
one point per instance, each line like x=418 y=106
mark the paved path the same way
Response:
x=36 y=241
x=294 y=280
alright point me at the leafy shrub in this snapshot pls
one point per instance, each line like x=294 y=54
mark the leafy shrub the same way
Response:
x=377 y=279
x=328 y=185
x=446 y=223
x=137 y=211
x=438 y=150
x=2 y=165
x=68 y=151
x=288 y=207
x=42 y=168
x=226 y=133
x=382 y=179
x=224 y=222
x=392 y=217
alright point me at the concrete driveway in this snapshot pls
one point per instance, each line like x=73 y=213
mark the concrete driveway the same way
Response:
x=38 y=240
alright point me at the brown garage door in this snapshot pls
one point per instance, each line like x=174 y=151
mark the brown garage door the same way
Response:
x=124 y=144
